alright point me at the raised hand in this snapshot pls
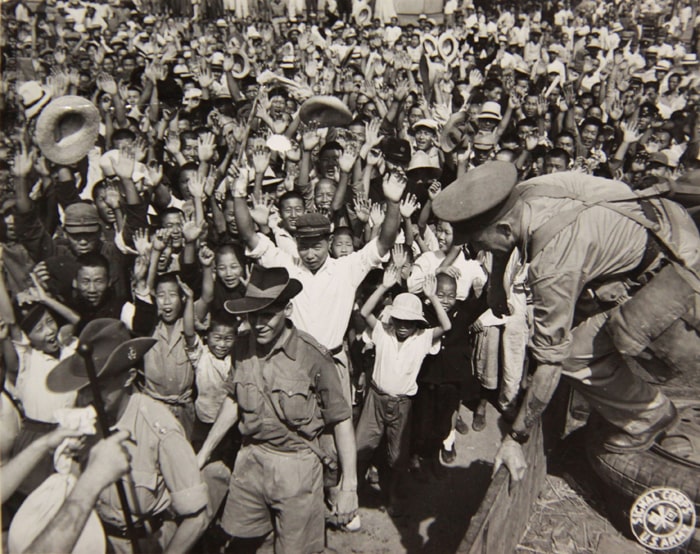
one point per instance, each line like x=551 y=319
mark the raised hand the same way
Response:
x=393 y=186
x=196 y=186
x=630 y=131
x=141 y=243
x=434 y=189
x=260 y=211
x=155 y=173
x=205 y=147
x=23 y=162
x=347 y=159
x=376 y=214
x=429 y=285
x=399 y=256
x=261 y=159
x=311 y=138
x=409 y=205
x=191 y=230
x=113 y=197
x=392 y=276
x=206 y=256
x=239 y=181
x=109 y=459
x=172 y=144
x=361 y=206
x=475 y=78
x=372 y=137
x=161 y=238
x=186 y=290
x=107 y=84
x=124 y=166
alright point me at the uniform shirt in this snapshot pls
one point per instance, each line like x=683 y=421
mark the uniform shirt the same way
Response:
x=38 y=402
x=164 y=472
x=167 y=368
x=598 y=243
x=211 y=374
x=324 y=305
x=396 y=364
x=303 y=386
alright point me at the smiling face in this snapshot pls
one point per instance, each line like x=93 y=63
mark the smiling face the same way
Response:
x=44 y=335
x=220 y=339
x=445 y=235
x=404 y=328
x=91 y=284
x=268 y=323
x=228 y=269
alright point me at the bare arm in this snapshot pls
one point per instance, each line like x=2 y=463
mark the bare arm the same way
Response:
x=225 y=419
x=344 y=435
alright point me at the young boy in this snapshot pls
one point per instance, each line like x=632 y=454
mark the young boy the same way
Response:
x=400 y=348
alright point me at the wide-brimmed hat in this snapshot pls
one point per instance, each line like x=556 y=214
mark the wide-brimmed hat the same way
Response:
x=490 y=110
x=34 y=97
x=426 y=123
x=266 y=286
x=67 y=128
x=326 y=111
x=112 y=349
x=407 y=307
x=422 y=167
x=478 y=198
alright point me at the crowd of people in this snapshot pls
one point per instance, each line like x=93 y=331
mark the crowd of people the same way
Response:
x=286 y=234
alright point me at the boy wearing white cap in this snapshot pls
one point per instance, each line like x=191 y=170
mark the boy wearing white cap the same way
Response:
x=401 y=343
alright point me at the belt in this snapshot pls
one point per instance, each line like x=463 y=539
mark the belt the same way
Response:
x=38 y=426
x=142 y=528
x=337 y=350
x=380 y=392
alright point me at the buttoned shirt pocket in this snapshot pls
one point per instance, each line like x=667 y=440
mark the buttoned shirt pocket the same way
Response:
x=295 y=399
x=250 y=402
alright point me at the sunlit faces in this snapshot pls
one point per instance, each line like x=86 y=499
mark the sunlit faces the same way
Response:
x=445 y=235
x=290 y=209
x=44 y=334
x=341 y=243
x=228 y=268
x=313 y=252
x=91 y=284
x=168 y=301
x=220 y=339
x=174 y=221
x=446 y=291
x=268 y=323
x=323 y=195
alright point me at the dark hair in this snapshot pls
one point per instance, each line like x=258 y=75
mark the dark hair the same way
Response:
x=231 y=249
x=171 y=211
x=92 y=259
x=527 y=122
x=290 y=195
x=558 y=153
x=566 y=134
x=123 y=134
x=187 y=135
x=170 y=277
x=592 y=121
x=344 y=230
x=222 y=319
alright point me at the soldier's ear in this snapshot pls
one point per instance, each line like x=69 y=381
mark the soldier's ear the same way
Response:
x=288 y=310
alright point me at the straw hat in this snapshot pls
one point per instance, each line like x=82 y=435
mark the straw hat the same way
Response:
x=67 y=129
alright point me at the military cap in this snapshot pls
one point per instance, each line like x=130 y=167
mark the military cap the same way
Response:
x=479 y=198
x=312 y=225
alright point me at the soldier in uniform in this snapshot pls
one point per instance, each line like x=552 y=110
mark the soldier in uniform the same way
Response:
x=284 y=390
x=612 y=273
x=166 y=493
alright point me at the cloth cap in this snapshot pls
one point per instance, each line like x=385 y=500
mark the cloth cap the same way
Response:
x=478 y=198
x=408 y=307
x=396 y=151
x=266 y=286
x=312 y=225
x=427 y=124
x=659 y=158
x=81 y=217
x=112 y=349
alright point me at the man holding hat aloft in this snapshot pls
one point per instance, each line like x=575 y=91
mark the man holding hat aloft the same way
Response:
x=283 y=391
x=637 y=262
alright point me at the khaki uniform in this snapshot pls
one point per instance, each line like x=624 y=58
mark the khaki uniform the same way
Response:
x=164 y=481
x=293 y=392
x=599 y=245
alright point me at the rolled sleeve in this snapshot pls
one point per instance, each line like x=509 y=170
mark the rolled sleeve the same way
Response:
x=178 y=464
x=334 y=407
x=269 y=255
x=358 y=264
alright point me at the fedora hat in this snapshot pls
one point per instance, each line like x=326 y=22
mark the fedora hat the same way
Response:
x=112 y=349
x=407 y=307
x=490 y=110
x=34 y=97
x=422 y=167
x=327 y=111
x=67 y=129
x=266 y=286
x=448 y=47
x=240 y=57
x=452 y=133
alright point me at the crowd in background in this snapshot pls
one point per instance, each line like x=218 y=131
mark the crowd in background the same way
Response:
x=204 y=166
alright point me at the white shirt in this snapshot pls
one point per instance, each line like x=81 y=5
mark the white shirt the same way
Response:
x=471 y=273
x=210 y=375
x=396 y=364
x=324 y=305
x=38 y=402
